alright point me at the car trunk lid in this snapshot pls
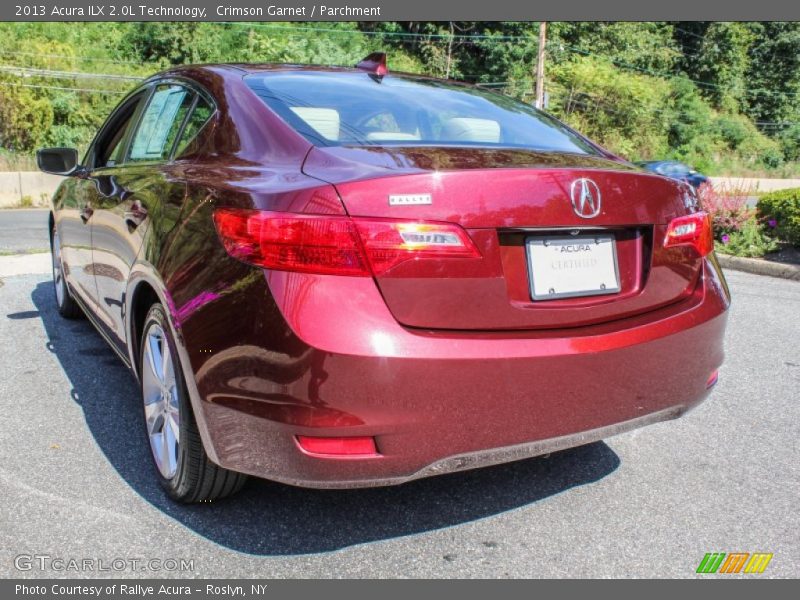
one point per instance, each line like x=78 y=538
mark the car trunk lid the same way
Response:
x=508 y=201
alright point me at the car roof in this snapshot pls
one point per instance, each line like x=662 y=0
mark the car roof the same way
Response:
x=660 y=162
x=246 y=69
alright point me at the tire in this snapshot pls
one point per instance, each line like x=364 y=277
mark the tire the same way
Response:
x=181 y=462
x=65 y=303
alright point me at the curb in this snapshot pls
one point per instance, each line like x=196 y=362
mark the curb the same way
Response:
x=759 y=267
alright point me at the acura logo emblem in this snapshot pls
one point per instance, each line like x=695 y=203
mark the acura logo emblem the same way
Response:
x=585 y=198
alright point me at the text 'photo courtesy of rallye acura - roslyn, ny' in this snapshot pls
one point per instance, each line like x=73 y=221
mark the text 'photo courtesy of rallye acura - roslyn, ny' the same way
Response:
x=344 y=277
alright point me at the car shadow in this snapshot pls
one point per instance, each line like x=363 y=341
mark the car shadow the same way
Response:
x=267 y=518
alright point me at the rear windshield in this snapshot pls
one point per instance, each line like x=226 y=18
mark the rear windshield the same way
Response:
x=332 y=109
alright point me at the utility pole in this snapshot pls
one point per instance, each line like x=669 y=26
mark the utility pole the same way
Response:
x=540 y=65
x=449 y=51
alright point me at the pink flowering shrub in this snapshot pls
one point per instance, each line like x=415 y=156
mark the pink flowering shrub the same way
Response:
x=727 y=206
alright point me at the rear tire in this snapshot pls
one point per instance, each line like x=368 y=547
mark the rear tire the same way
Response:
x=182 y=465
x=67 y=307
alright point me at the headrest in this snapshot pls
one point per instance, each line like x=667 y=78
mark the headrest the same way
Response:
x=471 y=130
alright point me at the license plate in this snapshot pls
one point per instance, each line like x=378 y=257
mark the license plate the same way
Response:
x=576 y=265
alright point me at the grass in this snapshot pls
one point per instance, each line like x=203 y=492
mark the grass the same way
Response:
x=10 y=161
x=6 y=252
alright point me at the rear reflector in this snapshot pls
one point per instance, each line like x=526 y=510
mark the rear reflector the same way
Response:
x=335 y=245
x=692 y=230
x=712 y=379
x=338 y=446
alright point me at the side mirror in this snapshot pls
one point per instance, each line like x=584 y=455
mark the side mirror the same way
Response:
x=59 y=161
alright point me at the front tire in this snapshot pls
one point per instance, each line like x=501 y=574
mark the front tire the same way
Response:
x=67 y=307
x=182 y=464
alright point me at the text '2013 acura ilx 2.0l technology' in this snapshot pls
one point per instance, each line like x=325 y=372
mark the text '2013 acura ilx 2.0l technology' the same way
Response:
x=335 y=277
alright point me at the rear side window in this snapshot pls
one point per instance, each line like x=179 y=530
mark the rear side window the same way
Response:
x=161 y=123
x=356 y=109
x=199 y=117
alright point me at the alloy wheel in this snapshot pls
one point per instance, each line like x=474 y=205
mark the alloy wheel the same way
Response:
x=161 y=403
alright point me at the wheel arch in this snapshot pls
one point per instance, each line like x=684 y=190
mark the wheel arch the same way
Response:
x=143 y=297
x=145 y=287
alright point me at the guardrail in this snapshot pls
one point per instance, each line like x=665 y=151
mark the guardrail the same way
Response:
x=27 y=188
x=756 y=184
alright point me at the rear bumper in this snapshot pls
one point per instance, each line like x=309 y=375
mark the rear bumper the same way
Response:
x=440 y=402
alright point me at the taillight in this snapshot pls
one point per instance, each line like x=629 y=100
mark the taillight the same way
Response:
x=335 y=245
x=692 y=230
x=290 y=242
x=389 y=243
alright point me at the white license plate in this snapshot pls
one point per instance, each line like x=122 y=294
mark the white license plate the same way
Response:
x=568 y=266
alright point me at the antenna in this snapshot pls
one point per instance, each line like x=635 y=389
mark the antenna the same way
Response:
x=374 y=64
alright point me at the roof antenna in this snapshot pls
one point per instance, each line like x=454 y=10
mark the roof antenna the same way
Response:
x=375 y=65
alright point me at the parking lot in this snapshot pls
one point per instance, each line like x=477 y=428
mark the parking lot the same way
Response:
x=76 y=480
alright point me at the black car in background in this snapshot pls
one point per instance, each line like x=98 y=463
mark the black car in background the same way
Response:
x=675 y=170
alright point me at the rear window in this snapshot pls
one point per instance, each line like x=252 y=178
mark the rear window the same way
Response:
x=356 y=109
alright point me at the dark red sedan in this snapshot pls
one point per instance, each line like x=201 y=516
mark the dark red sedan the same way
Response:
x=345 y=277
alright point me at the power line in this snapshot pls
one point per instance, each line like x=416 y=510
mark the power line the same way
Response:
x=55 y=87
x=66 y=56
x=509 y=38
x=696 y=35
x=399 y=34
x=624 y=65
x=33 y=72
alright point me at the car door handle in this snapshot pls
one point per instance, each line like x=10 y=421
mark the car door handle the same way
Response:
x=135 y=215
x=86 y=214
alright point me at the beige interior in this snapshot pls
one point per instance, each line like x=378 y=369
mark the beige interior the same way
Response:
x=471 y=130
x=325 y=121
x=391 y=135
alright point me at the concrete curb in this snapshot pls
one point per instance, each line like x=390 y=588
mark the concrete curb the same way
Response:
x=759 y=266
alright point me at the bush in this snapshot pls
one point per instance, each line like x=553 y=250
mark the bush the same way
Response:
x=790 y=141
x=734 y=129
x=749 y=241
x=620 y=110
x=781 y=211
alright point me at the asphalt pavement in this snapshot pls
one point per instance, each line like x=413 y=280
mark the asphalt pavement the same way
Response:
x=76 y=480
x=23 y=230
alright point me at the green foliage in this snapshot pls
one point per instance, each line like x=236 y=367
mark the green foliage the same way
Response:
x=782 y=208
x=621 y=111
x=646 y=47
x=750 y=241
x=773 y=79
x=25 y=119
x=722 y=63
x=789 y=139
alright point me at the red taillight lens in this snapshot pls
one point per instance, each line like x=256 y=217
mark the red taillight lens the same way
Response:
x=338 y=446
x=692 y=230
x=335 y=245
x=291 y=242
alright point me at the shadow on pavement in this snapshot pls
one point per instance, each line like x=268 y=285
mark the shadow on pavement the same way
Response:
x=267 y=518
